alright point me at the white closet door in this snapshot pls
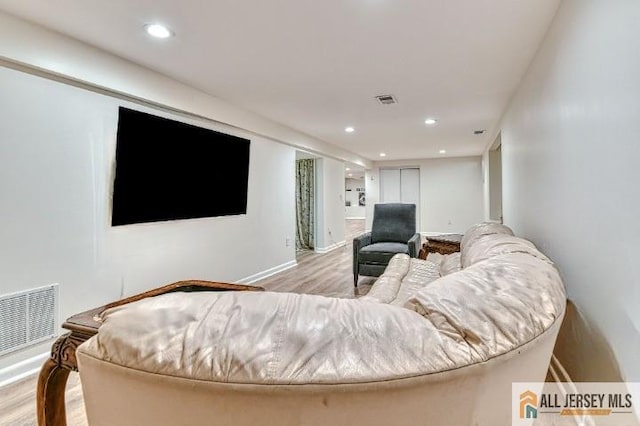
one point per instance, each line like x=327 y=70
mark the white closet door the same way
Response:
x=410 y=190
x=390 y=186
x=401 y=186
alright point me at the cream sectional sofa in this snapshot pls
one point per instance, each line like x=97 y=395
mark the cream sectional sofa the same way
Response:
x=435 y=342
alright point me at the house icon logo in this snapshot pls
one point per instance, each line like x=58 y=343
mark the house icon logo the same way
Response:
x=528 y=405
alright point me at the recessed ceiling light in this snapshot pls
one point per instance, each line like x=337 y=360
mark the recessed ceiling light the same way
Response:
x=382 y=154
x=430 y=121
x=443 y=151
x=158 y=31
x=348 y=168
x=350 y=174
x=349 y=129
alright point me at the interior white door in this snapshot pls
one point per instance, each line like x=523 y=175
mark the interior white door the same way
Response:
x=401 y=186
x=390 y=186
x=410 y=190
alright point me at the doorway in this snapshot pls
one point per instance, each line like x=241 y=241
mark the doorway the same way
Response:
x=495 y=181
x=305 y=200
x=354 y=193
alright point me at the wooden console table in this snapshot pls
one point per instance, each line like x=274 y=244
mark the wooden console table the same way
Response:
x=443 y=244
x=53 y=376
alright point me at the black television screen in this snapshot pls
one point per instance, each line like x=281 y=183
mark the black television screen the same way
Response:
x=167 y=170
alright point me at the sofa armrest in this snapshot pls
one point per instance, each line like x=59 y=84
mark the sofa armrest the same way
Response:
x=414 y=245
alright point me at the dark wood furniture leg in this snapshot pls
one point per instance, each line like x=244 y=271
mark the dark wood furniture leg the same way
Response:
x=51 y=385
x=52 y=381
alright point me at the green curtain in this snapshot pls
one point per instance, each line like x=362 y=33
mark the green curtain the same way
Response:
x=305 y=203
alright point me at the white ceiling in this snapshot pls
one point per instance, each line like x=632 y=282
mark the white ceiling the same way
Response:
x=351 y=170
x=317 y=65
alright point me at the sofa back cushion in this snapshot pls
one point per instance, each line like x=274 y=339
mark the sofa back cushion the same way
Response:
x=393 y=222
x=489 y=246
x=450 y=264
x=494 y=306
x=252 y=337
x=447 y=263
x=478 y=231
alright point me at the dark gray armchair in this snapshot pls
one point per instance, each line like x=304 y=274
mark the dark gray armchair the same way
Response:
x=393 y=231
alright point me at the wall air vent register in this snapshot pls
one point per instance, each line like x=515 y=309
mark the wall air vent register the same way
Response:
x=28 y=317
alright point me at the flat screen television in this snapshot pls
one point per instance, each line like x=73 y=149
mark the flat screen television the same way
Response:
x=168 y=170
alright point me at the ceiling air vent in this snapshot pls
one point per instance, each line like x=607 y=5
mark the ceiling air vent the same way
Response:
x=387 y=99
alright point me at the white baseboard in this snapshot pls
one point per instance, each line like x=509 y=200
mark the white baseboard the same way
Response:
x=22 y=369
x=566 y=385
x=558 y=372
x=323 y=250
x=267 y=273
x=437 y=234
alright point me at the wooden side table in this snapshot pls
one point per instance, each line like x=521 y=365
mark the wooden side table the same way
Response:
x=443 y=244
x=55 y=371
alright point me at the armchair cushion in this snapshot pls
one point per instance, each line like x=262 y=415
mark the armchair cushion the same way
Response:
x=381 y=253
x=393 y=222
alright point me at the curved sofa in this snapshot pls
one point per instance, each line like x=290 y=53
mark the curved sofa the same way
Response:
x=435 y=342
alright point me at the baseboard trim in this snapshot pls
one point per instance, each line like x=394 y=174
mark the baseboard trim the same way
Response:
x=20 y=370
x=566 y=385
x=323 y=250
x=267 y=273
x=558 y=372
x=437 y=234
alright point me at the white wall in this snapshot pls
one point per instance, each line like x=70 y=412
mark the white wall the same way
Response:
x=54 y=173
x=57 y=146
x=24 y=43
x=571 y=153
x=351 y=194
x=330 y=217
x=451 y=192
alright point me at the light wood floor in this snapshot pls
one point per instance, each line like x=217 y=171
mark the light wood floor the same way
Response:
x=327 y=274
